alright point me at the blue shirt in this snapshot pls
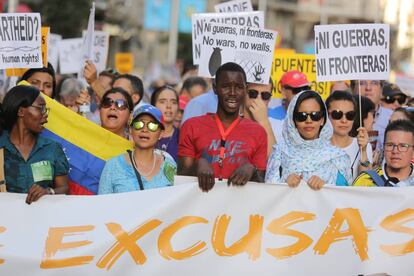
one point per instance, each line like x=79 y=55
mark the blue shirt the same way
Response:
x=118 y=176
x=200 y=105
x=46 y=161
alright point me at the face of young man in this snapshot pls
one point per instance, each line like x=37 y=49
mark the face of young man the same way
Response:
x=398 y=157
x=230 y=90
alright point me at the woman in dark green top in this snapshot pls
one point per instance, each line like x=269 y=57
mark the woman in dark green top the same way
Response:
x=33 y=164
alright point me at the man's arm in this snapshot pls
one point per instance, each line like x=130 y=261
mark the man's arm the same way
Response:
x=201 y=168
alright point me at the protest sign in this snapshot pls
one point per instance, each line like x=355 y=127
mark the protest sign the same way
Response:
x=124 y=62
x=352 y=52
x=70 y=55
x=251 y=48
x=88 y=41
x=18 y=72
x=100 y=49
x=285 y=61
x=181 y=231
x=53 y=50
x=234 y=6
x=200 y=25
x=20 y=40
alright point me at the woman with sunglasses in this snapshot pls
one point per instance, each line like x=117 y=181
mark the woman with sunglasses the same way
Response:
x=342 y=113
x=165 y=98
x=145 y=167
x=306 y=152
x=115 y=109
x=256 y=108
x=32 y=164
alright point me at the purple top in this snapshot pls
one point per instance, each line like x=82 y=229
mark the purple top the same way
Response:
x=170 y=144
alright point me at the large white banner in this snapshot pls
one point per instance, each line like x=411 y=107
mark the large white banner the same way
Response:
x=352 y=52
x=20 y=40
x=258 y=229
x=200 y=22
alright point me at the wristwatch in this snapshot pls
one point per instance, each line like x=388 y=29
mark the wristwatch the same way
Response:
x=50 y=191
x=365 y=164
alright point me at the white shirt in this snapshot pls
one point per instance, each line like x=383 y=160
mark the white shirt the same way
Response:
x=353 y=152
x=277 y=127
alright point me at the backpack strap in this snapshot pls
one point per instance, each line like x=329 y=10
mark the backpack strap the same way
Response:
x=378 y=180
x=3 y=188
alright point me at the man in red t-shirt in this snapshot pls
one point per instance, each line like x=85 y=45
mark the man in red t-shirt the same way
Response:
x=222 y=144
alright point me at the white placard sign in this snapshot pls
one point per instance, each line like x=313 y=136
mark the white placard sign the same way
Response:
x=200 y=24
x=70 y=54
x=251 y=48
x=53 y=50
x=352 y=52
x=20 y=40
x=234 y=6
x=100 y=49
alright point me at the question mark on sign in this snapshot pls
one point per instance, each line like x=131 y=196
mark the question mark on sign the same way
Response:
x=36 y=22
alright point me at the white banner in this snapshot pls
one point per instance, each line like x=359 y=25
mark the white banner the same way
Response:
x=53 y=50
x=352 y=52
x=234 y=6
x=70 y=55
x=20 y=40
x=100 y=50
x=200 y=25
x=258 y=229
x=251 y=48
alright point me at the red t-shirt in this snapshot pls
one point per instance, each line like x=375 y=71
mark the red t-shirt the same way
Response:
x=247 y=142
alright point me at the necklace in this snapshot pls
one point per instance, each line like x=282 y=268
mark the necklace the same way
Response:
x=134 y=163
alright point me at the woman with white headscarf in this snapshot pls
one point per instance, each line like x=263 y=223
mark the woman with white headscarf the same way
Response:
x=305 y=151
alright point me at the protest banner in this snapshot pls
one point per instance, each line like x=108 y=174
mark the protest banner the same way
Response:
x=124 y=62
x=20 y=40
x=18 y=72
x=200 y=25
x=234 y=6
x=53 y=50
x=70 y=55
x=181 y=231
x=285 y=61
x=352 y=52
x=251 y=48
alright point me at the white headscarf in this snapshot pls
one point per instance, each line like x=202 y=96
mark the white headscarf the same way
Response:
x=307 y=157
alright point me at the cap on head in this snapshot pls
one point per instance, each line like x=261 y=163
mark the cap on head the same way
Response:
x=294 y=79
x=391 y=89
x=150 y=110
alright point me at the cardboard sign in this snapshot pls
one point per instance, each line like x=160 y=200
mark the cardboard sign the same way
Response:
x=124 y=62
x=18 y=72
x=53 y=50
x=286 y=61
x=234 y=6
x=352 y=52
x=251 y=48
x=200 y=22
x=20 y=40
x=70 y=55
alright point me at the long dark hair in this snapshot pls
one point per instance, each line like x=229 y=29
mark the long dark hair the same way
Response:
x=157 y=92
x=367 y=106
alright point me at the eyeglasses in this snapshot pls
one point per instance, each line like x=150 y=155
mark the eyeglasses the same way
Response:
x=43 y=109
x=303 y=116
x=266 y=95
x=389 y=100
x=151 y=126
x=372 y=83
x=338 y=115
x=402 y=147
x=120 y=104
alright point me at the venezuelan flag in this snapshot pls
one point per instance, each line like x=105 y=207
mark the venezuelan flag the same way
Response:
x=86 y=145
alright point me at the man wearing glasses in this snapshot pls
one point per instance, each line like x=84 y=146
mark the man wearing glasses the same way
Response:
x=393 y=97
x=398 y=153
x=255 y=108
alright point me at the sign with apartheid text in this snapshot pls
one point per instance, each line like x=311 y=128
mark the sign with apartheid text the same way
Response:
x=181 y=231
x=20 y=40
x=53 y=50
x=352 y=52
x=251 y=48
x=285 y=61
x=200 y=23
x=234 y=6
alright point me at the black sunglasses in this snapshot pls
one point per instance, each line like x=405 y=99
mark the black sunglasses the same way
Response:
x=303 y=116
x=389 y=100
x=266 y=95
x=120 y=104
x=337 y=115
